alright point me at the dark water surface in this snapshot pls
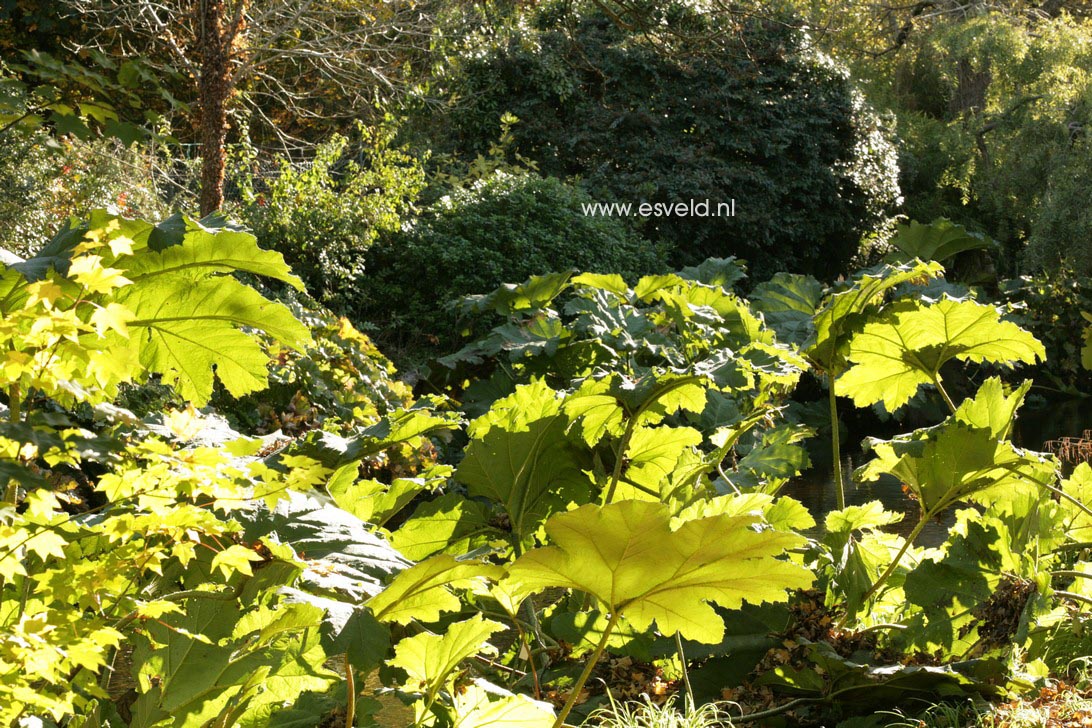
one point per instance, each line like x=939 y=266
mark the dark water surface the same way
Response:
x=815 y=488
x=1034 y=428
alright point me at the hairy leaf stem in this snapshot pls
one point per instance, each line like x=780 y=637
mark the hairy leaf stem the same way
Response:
x=580 y=681
x=836 y=448
x=907 y=543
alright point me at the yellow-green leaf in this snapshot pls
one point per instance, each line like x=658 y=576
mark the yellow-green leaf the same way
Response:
x=481 y=705
x=421 y=591
x=629 y=558
x=893 y=357
x=235 y=559
x=429 y=659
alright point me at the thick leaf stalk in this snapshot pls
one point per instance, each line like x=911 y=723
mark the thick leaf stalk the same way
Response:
x=592 y=662
x=836 y=449
x=619 y=460
x=944 y=393
x=350 y=690
x=685 y=673
x=878 y=584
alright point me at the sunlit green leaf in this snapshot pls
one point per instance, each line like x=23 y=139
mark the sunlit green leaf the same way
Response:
x=187 y=681
x=842 y=313
x=421 y=592
x=520 y=457
x=939 y=241
x=627 y=556
x=955 y=462
x=429 y=659
x=858 y=518
x=893 y=357
x=481 y=705
x=450 y=523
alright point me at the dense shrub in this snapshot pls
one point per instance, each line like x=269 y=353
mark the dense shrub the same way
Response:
x=44 y=182
x=504 y=228
x=1061 y=237
x=756 y=115
x=323 y=214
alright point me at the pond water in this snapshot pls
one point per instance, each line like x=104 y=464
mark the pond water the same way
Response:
x=815 y=488
x=1064 y=419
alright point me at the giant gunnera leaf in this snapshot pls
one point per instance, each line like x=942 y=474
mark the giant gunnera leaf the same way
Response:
x=483 y=705
x=940 y=240
x=429 y=659
x=788 y=303
x=217 y=660
x=843 y=313
x=636 y=565
x=520 y=457
x=186 y=329
x=956 y=462
x=421 y=592
x=893 y=357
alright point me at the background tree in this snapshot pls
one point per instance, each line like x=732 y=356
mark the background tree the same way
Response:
x=280 y=63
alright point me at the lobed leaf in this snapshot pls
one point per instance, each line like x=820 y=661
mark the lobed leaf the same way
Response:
x=421 y=591
x=521 y=458
x=628 y=557
x=429 y=659
x=893 y=357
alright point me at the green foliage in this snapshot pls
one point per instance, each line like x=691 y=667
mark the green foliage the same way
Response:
x=600 y=493
x=961 y=457
x=992 y=113
x=191 y=563
x=629 y=557
x=428 y=659
x=822 y=321
x=1064 y=220
x=623 y=457
x=640 y=120
x=218 y=662
x=338 y=380
x=45 y=181
x=1052 y=307
x=1086 y=350
x=79 y=95
x=937 y=241
x=892 y=357
x=633 y=398
x=633 y=360
x=482 y=705
x=967 y=458
x=167 y=307
x=857 y=550
x=844 y=312
x=324 y=216
x=422 y=591
x=505 y=228
x=519 y=456
x=73 y=331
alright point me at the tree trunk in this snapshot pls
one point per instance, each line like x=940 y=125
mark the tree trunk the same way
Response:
x=214 y=91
